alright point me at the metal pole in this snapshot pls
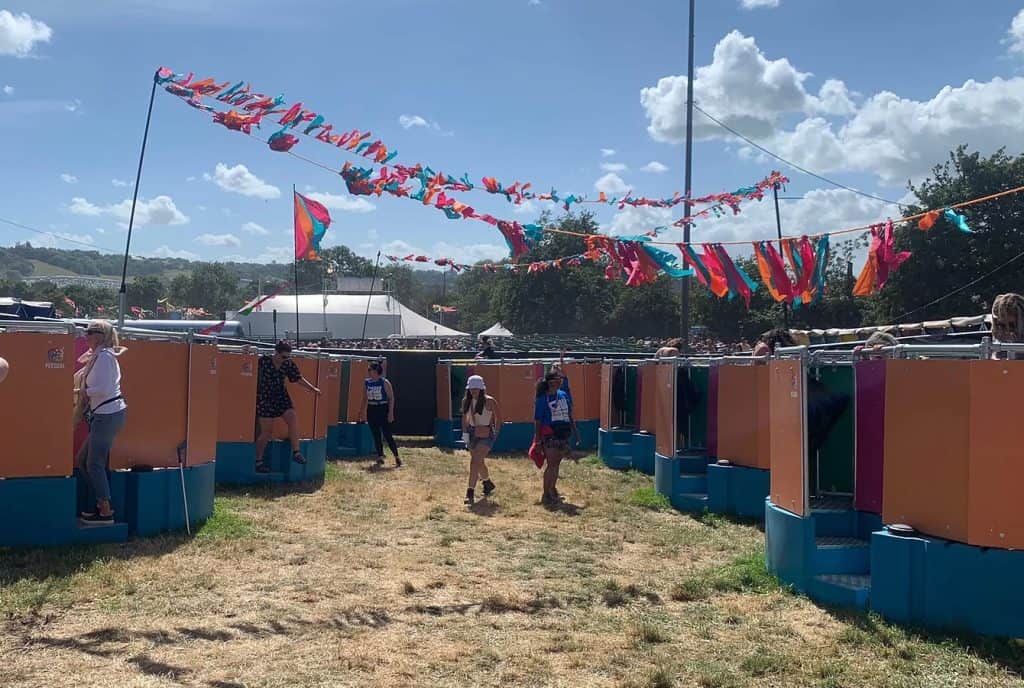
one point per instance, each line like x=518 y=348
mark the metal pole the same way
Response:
x=778 y=229
x=123 y=294
x=685 y=301
x=296 y=264
x=373 y=280
x=275 y=325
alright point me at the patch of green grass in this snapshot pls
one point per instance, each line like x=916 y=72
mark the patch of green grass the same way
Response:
x=763 y=662
x=592 y=460
x=711 y=520
x=646 y=632
x=714 y=675
x=226 y=523
x=657 y=677
x=745 y=573
x=649 y=498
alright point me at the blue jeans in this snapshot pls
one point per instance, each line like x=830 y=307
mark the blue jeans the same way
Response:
x=102 y=431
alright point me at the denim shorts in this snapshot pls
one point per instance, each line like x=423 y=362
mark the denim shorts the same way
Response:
x=475 y=442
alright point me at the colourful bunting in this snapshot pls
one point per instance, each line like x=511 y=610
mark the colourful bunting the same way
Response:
x=958 y=220
x=882 y=261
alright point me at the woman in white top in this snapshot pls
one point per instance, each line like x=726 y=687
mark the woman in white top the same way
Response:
x=481 y=421
x=100 y=402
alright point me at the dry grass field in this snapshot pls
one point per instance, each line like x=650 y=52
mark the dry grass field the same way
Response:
x=383 y=578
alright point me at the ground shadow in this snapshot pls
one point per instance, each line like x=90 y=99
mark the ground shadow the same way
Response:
x=271 y=491
x=1007 y=653
x=713 y=520
x=485 y=507
x=567 y=508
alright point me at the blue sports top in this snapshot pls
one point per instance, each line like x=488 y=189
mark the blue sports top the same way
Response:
x=553 y=410
x=376 y=392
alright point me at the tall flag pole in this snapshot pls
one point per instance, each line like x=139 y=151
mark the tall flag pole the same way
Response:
x=685 y=301
x=311 y=223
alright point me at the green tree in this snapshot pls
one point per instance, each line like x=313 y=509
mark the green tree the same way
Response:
x=945 y=259
x=144 y=292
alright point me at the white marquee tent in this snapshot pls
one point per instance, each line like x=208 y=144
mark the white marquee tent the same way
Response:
x=340 y=316
x=497 y=330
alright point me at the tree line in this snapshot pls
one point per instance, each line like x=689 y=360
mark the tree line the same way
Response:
x=948 y=275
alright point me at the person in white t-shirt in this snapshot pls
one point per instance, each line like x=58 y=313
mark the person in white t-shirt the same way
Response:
x=104 y=409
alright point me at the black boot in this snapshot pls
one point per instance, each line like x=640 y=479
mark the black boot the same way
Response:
x=488 y=487
x=469 y=497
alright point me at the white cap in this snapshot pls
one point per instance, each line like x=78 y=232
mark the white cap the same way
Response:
x=475 y=382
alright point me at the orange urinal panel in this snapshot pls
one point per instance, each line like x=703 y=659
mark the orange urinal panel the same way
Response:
x=738 y=408
x=330 y=397
x=359 y=371
x=518 y=392
x=154 y=383
x=788 y=453
x=607 y=372
x=763 y=430
x=927 y=446
x=995 y=506
x=36 y=404
x=203 y=403
x=236 y=393
x=664 y=380
x=444 y=391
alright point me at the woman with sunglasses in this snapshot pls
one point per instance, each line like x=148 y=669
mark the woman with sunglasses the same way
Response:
x=554 y=426
x=273 y=402
x=481 y=421
x=101 y=404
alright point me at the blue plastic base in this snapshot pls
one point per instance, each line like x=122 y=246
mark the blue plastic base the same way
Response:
x=42 y=512
x=738 y=490
x=514 y=437
x=825 y=555
x=236 y=462
x=683 y=479
x=349 y=440
x=447 y=434
x=947 y=585
x=588 y=430
x=153 y=501
x=624 y=449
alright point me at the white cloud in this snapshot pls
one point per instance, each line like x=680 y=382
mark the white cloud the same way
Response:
x=166 y=251
x=755 y=4
x=741 y=87
x=527 y=207
x=655 y=167
x=349 y=204
x=611 y=184
x=60 y=239
x=68 y=178
x=159 y=210
x=8 y=90
x=635 y=221
x=409 y=121
x=607 y=152
x=460 y=253
x=257 y=229
x=80 y=206
x=534 y=3
x=240 y=180
x=1015 y=36
x=118 y=182
x=219 y=240
x=192 y=178
x=899 y=138
x=892 y=137
x=19 y=33
x=73 y=106
x=614 y=167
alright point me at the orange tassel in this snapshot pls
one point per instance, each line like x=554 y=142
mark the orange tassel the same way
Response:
x=928 y=221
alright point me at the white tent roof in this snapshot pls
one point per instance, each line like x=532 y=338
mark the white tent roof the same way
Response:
x=497 y=330
x=344 y=314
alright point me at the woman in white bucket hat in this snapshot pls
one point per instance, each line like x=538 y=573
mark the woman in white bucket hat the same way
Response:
x=481 y=421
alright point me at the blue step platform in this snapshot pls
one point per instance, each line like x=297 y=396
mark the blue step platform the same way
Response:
x=349 y=440
x=236 y=463
x=738 y=490
x=43 y=512
x=683 y=479
x=826 y=555
x=947 y=585
x=624 y=449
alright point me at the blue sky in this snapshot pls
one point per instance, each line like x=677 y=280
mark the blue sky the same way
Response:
x=870 y=94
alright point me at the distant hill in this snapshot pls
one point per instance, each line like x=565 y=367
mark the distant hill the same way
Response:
x=26 y=261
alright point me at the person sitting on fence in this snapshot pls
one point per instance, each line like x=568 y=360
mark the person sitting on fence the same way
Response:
x=273 y=402
x=487 y=350
x=771 y=340
x=555 y=426
x=379 y=411
x=481 y=421
x=1008 y=319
